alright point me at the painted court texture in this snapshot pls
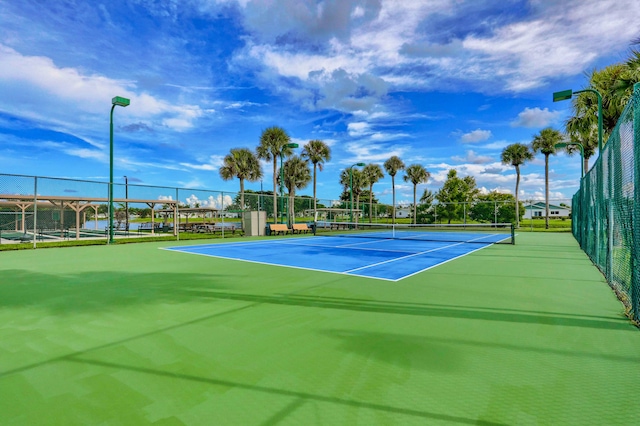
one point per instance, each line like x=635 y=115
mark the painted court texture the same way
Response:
x=130 y=334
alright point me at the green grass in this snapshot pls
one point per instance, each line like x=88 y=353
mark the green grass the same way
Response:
x=130 y=334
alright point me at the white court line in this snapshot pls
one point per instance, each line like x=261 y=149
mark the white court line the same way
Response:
x=348 y=272
x=283 y=266
x=416 y=254
x=403 y=257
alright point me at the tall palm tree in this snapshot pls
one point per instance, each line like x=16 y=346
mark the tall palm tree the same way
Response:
x=359 y=183
x=317 y=152
x=612 y=83
x=296 y=176
x=393 y=165
x=416 y=174
x=243 y=164
x=516 y=155
x=582 y=132
x=273 y=144
x=545 y=142
x=372 y=174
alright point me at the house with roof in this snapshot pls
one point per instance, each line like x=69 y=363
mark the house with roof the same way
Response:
x=537 y=211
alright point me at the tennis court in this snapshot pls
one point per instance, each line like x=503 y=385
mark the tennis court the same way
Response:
x=375 y=253
x=131 y=334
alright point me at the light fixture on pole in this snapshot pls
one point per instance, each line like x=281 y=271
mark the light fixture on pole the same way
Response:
x=579 y=145
x=123 y=102
x=351 y=189
x=567 y=94
x=289 y=145
x=564 y=95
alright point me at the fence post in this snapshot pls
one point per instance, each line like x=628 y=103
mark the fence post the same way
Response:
x=222 y=209
x=35 y=210
x=176 y=216
x=635 y=250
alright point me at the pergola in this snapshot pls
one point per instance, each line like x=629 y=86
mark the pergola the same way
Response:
x=187 y=211
x=328 y=212
x=78 y=204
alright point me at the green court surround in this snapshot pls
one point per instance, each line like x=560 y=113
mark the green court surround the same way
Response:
x=130 y=334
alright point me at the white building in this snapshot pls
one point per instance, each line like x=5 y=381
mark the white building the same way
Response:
x=538 y=211
x=403 y=212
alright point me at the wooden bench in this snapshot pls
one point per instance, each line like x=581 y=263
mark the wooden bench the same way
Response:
x=220 y=227
x=300 y=228
x=278 y=228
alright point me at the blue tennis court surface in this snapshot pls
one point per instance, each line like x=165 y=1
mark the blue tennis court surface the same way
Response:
x=387 y=259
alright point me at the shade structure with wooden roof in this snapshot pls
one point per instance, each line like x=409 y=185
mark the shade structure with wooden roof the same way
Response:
x=78 y=204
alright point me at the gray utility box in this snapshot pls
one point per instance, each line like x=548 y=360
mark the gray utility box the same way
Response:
x=254 y=223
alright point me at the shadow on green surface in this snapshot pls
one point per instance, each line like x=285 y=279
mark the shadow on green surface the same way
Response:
x=427 y=352
x=99 y=291
x=288 y=393
x=420 y=310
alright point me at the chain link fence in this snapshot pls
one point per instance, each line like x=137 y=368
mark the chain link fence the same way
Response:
x=607 y=222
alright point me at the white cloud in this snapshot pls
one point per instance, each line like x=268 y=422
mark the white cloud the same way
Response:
x=48 y=92
x=535 y=117
x=477 y=135
x=473 y=158
x=358 y=129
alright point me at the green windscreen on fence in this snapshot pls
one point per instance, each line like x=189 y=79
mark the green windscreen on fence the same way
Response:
x=606 y=221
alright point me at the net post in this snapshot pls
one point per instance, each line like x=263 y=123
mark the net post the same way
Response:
x=513 y=233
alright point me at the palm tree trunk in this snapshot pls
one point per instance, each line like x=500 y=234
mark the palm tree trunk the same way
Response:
x=370 y=201
x=292 y=196
x=275 y=194
x=393 y=207
x=546 y=191
x=586 y=165
x=242 y=203
x=315 y=200
x=414 y=203
x=517 y=202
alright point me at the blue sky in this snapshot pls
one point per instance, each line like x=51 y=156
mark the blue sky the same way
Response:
x=443 y=83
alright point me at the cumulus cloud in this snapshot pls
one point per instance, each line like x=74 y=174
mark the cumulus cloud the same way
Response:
x=46 y=91
x=477 y=135
x=473 y=158
x=535 y=117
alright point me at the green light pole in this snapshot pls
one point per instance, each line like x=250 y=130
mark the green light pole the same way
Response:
x=351 y=189
x=289 y=145
x=567 y=94
x=579 y=145
x=123 y=102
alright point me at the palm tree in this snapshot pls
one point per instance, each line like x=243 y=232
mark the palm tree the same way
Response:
x=416 y=174
x=545 y=142
x=357 y=178
x=582 y=132
x=372 y=174
x=393 y=165
x=296 y=176
x=516 y=155
x=273 y=144
x=317 y=152
x=243 y=164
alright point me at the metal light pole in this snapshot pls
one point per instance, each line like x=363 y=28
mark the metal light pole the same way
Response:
x=564 y=95
x=567 y=94
x=126 y=203
x=289 y=145
x=351 y=189
x=123 y=102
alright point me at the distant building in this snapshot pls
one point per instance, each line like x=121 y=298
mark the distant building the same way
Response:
x=403 y=212
x=538 y=211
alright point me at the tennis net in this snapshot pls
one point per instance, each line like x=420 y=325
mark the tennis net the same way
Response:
x=488 y=233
